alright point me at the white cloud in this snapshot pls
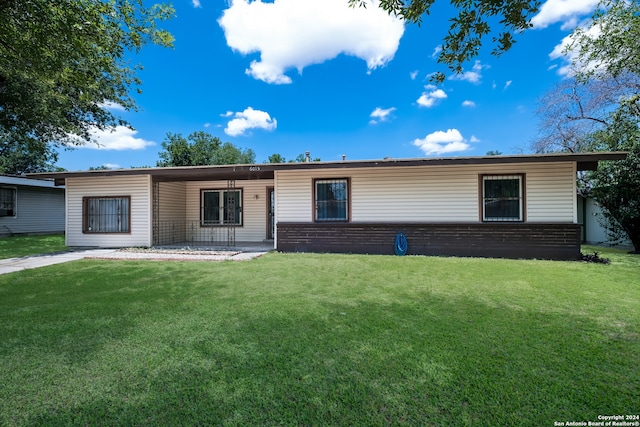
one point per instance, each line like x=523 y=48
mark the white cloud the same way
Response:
x=429 y=98
x=473 y=139
x=109 y=105
x=250 y=119
x=507 y=84
x=112 y=166
x=298 y=33
x=196 y=3
x=472 y=76
x=442 y=142
x=566 y=11
x=381 y=115
x=120 y=138
x=413 y=74
x=468 y=103
x=560 y=51
x=436 y=52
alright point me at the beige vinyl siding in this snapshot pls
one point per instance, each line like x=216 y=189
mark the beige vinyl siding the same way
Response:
x=414 y=194
x=138 y=187
x=551 y=193
x=172 y=200
x=254 y=210
x=294 y=192
x=429 y=194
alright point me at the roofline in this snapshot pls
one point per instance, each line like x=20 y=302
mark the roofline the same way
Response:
x=581 y=158
x=584 y=161
x=26 y=181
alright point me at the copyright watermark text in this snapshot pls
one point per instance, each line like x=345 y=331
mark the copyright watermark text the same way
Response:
x=631 y=420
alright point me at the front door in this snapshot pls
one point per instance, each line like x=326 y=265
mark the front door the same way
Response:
x=271 y=209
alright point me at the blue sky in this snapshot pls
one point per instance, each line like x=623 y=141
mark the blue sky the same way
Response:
x=289 y=76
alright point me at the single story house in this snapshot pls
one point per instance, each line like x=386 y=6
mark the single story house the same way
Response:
x=521 y=206
x=30 y=206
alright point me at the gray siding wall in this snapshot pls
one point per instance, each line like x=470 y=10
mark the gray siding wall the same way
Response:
x=38 y=210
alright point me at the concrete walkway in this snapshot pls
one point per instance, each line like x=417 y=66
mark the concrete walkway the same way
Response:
x=11 y=265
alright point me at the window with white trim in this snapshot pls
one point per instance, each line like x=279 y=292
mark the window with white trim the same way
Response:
x=502 y=198
x=220 y=207
x=8 y=197
x=106 y=214
x=331 y=199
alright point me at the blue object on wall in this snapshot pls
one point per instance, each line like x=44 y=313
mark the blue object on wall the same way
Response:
x=400 y=246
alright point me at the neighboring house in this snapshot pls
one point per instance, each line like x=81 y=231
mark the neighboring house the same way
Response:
x=503 y=206
x=593 y=231
x=30 y=206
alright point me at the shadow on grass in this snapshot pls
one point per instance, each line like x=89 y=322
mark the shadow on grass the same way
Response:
x=20 y=246
x=70 y=318
x=426 y=361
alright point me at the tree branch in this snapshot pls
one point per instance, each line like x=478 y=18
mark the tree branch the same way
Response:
x=595 y=119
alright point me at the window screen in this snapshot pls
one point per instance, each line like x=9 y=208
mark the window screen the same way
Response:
x=332 y=200
x=502 y=197
x=106 y=214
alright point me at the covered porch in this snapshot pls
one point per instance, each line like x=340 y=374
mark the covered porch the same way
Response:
x=203 y=208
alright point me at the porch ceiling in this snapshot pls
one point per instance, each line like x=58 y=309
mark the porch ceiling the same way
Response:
x=212 y=174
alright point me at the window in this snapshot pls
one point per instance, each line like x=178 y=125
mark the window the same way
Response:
x=332 y=199
x=106 y=214
x=7 y=201
x=502 y=198
x=220 y=207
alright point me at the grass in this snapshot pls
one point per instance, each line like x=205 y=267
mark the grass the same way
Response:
x=310 y=339
x=18 y=246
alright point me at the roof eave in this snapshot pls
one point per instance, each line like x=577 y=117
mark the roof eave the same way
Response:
x=584 y=161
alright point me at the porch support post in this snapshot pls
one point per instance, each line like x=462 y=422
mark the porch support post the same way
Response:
x=230 y=203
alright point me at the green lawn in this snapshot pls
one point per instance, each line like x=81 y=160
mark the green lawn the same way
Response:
x=18 y=246
x=304 y=339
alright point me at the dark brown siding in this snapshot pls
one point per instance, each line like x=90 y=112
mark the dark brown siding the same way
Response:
x=522 y=240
